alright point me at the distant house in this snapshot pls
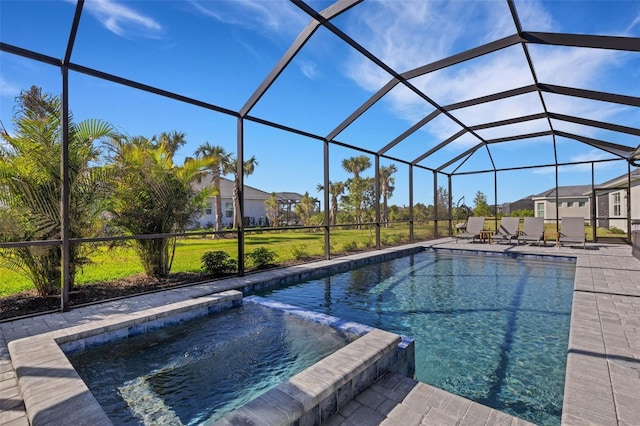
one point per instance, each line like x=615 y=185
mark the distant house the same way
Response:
x=525 y=203
x=288 y=201
x=572 y=201
x=612 y=201
x=255 y=209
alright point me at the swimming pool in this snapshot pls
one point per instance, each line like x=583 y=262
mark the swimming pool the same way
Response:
x=197 y=371
x=492 y=328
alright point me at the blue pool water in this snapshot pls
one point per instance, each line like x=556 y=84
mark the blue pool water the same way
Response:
x=199 y=370
x=491 y=328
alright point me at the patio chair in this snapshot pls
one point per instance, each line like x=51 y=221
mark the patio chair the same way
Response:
x=572 y=231
x=533 y=230
x=475 y=224
x=508 y=229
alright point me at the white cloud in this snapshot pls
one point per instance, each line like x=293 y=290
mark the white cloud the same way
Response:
x=309 y=69
x=276 y=16
x=8 y=88
x=122 y=20
x=410 y=34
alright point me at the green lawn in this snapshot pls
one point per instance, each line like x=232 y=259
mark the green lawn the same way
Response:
x=118 y=262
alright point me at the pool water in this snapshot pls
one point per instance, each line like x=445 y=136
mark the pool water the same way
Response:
x=491 y=328
x=199 y=370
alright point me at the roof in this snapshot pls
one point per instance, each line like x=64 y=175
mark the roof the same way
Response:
x=289 y=196
x=620 y=180
x=226 y=189
x=565 y=191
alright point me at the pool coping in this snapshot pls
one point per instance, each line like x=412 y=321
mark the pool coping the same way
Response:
x=602 y=379
x=52 y=390
x=54 y=393
x=604 y=337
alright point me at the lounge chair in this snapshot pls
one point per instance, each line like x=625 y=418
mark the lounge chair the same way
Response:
x=572 y=231
x=508 y=229
x=475 y=224
x=533 y=230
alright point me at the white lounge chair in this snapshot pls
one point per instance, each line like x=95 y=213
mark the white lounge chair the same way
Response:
x=533 y=230
x=572 y=231
x=507 y=230
x=475 y=224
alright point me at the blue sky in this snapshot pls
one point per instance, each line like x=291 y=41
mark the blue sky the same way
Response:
x=220 y=51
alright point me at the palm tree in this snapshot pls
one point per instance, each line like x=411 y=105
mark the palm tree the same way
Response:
x=305 y=208
x=335 y=190
x=172 y=141
x=356 y=165
x=152 y=195
x=357 y=186
x=221 y=161
x=248 y=167
x=272 y=209
x=30 y=182
x=386 y=188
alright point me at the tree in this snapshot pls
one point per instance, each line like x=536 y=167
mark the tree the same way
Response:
x=442 y=201
x=335 y=190
x=273 y=210
x=248 y=167
x=386 y=188
x=30 y=188
x=420 y=213
x=221 y=161
x=481 y=208
x=360 y=189
x=152 y=195
x=356 y=165
x=171 y=141
x=305 y=208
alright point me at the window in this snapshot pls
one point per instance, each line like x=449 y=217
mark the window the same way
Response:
x=208 y=211
x=569 y=203
x=616 y=203
x=582 y=203
x=540 y=210
x=228 y=208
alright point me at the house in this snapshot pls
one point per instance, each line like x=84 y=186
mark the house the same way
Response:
x=525 y=203
x=255 y=209
x=572 y=201
x=612 y=201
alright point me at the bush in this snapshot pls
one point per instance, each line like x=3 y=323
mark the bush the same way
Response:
x=262 y=257
x=217 y=262
x=369 y=243
x=522 y=213
x=300 y=252
x=350 y=246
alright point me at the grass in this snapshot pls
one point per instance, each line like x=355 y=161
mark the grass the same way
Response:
x=109 y=263
x=119 y=262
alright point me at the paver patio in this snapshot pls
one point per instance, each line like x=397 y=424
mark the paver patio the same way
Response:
x=603 y=366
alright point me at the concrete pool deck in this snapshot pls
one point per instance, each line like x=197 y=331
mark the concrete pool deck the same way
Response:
x=603 y=366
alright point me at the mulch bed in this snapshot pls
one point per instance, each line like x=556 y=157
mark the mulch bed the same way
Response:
x=28 y=302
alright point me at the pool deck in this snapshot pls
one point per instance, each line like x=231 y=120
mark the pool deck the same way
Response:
x=603 y=366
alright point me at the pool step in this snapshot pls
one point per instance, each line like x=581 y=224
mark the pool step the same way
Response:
x=317 y=393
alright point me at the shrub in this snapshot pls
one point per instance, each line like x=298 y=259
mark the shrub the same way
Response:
x=262 y=257
x=350 y=246
x=369 y=243
x=614 y=230
x=300 y=252
x=217 y=262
